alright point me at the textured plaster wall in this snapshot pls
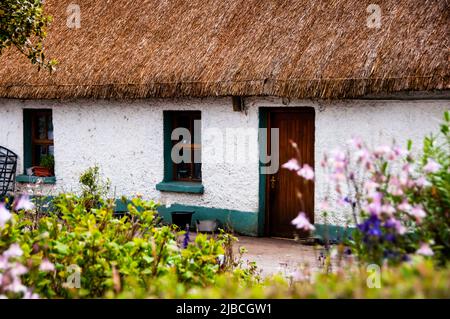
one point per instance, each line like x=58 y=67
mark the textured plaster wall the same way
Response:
x=125 y=138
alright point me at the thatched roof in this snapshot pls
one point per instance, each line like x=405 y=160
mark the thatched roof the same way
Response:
x=297 y=49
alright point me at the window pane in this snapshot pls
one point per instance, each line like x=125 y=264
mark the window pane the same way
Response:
x=198 y=171
x=40 y=127
x=50 y=127
x=184 y=171
x=39 y=151
x=189 y=170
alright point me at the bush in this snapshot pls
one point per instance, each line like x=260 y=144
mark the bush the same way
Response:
x=82 y=235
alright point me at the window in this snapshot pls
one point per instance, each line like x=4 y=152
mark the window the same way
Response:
x=38 y=142
x=186 y=146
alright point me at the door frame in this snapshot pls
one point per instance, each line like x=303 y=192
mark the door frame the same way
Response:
x=264 y=145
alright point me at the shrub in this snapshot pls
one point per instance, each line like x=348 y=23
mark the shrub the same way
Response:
x=82 y=235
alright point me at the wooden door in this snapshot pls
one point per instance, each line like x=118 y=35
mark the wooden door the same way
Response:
x=284 y=187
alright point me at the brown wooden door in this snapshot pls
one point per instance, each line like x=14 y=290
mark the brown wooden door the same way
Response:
x=283 y=188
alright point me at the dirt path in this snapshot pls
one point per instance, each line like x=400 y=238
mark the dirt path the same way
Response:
x=273 y=255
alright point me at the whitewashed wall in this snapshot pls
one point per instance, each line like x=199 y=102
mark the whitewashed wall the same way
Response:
x=125 y=138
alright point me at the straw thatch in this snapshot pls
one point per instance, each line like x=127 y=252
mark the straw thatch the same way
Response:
x=296 y=49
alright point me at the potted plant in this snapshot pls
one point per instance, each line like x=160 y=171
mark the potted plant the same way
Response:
x=46 y=168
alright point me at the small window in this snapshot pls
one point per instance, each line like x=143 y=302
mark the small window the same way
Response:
x=39 y=148
x=187 y=147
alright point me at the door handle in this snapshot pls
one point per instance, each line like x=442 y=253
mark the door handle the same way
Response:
x=273 y=180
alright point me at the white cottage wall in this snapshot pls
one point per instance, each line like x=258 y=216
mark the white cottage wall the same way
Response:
x=125 y=138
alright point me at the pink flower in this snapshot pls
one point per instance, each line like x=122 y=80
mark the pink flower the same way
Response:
x=388 y=209
x=18 y=270
x=306 y=172
x=371 y=186
x=324 y=206
x=382 y=150
x=404 y=206
x=291 y=165
x=362 y=156
x=13 y=251
x=5 y=215
x=431 y=166
x=400 y=151
x=417 y=212
x=30 y=295
x=24 y=203
x=301 y=222
x=399 y=228
x=425 y=250
x=355 y=142
x=16 y=286
x=46 y=265
x=375 y=206
x=422 y=182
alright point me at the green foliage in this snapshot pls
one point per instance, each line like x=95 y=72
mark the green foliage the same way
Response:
x=419 y=279
x=48 y=161
x=94 y=188
x=114 y=254
x=23 y=24
x=436 y=197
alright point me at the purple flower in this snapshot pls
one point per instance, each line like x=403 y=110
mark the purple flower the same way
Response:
x=302 y=222
x=371 y=227
x=186 y=238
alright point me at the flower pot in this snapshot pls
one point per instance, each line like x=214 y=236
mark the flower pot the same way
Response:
x=41 y=171
x=208 y=225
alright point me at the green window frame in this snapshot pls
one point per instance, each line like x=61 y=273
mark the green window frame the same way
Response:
x=32 y=141
x=171 y=182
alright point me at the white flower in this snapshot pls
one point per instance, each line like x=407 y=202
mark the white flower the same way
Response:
x=306 y=172
x=291 y=165
x=24 y=203
x=46 y=265
x=5 y=215
x=431 y=166
x=425 y=250
x=301 y=222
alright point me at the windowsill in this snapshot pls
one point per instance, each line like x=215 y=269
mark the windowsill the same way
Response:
x=34 y=179
x=181 y=187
